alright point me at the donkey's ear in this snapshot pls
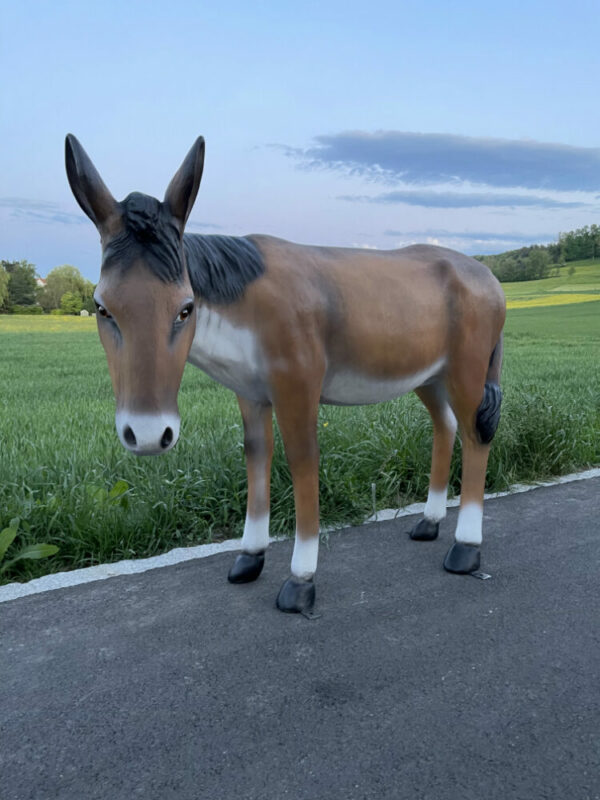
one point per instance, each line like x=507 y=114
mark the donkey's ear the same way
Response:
x=87 y=185
x=182 y=190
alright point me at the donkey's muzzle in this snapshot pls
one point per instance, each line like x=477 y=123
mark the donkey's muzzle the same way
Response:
x=147 y=434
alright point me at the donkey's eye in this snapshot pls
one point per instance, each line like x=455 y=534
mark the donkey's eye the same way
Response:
x=103 y=312
x=185 y=312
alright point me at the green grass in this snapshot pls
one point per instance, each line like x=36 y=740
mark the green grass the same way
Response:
x=60 y=455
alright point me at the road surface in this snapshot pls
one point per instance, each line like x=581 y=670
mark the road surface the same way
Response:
x=413 y=683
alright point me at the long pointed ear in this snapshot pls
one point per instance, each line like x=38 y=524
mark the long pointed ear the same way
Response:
x=181 y=192
x=86 y=184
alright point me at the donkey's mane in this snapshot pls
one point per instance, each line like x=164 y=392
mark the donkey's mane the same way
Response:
x=219 y=267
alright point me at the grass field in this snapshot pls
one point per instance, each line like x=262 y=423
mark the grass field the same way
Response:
x=60 y=457
x=583 y=286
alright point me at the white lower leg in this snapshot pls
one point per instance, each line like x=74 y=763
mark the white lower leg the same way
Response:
x=304 y=559
x=468 y=527
x=435 y=507
x=256 y=534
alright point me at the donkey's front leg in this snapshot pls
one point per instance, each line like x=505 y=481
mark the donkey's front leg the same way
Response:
x=258 y=446
x=297 y=409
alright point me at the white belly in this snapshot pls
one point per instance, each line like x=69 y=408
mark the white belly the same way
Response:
x=233 y=357
x=228 y=354
x=347 y=388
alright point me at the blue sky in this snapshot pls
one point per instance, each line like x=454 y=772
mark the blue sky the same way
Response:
x=475 y=125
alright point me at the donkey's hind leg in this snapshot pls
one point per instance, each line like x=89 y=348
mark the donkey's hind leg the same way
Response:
x=435 y=399
x=258 y=447
x=464 y=555
x=476 y=403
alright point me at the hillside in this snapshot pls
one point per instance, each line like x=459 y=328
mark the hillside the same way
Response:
x=565 y=289
x=542 y=260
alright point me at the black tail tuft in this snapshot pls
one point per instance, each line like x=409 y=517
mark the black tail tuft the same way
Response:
x=488 y=413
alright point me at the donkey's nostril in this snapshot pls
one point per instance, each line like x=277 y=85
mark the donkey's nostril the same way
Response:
x=147 y=434
x=167 y=438
x=129 y=436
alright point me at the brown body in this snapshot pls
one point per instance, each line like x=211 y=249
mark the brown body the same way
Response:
x=376 y=324
x=382 y=314
x=318 y=325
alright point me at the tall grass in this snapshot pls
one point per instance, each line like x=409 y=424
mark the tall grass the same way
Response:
x=60 y=457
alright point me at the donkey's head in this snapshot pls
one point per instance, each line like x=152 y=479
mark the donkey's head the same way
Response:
x=145 y=303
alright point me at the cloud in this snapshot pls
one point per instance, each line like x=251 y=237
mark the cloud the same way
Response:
x=431 y=199
x=471 y=242
x=478 y=236
x=48 y=212
x=430 y=158
x=40 y=211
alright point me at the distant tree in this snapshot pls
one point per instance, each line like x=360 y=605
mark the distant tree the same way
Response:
x=536 y=261
x=581 y=243
x=3 y=287
x=505 y=267
x=511 y=268
x=538 y=264
x=71 y=303
x=555 y=252
x=21 y=282
x=595 y=235
x=62 y=280
x=571 y=270
x=88 y=300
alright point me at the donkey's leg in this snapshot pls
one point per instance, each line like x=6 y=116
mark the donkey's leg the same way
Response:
x=258 y=446
x=475 y=397
x=444 y=432
x=464 y=555
x=296 y=407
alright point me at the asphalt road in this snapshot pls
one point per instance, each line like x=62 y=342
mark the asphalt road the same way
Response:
x=413 y=683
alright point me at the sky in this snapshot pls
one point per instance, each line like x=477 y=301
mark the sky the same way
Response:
x=374 y=124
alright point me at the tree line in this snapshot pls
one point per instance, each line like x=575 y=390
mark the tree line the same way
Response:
x=66 y=291
x=542 y=261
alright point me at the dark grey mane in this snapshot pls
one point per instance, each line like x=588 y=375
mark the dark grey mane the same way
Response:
x=219 y=267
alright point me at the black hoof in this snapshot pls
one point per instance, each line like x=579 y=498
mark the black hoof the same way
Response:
x=246 y=567
x=296 y=596
x=462 y=558
x=425 y=531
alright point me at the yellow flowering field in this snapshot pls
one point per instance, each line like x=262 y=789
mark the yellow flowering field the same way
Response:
x=566 y=298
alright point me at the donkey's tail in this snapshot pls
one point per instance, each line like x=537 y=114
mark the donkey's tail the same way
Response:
x=488 y=413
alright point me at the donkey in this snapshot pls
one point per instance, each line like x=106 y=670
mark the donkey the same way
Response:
x=286 y=327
